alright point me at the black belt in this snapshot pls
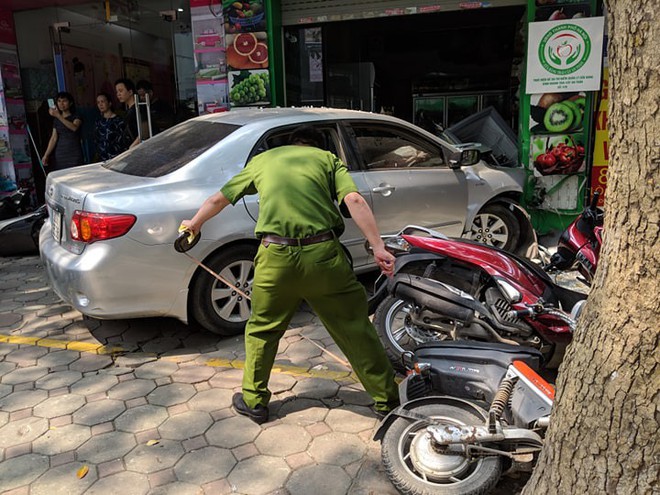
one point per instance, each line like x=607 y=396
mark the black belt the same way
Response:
x=292 y=241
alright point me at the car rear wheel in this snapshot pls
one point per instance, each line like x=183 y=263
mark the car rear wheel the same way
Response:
x=214 y=305
x=496 y=226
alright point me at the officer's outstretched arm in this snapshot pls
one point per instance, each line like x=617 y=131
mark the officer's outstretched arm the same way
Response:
x=211 y=207
x=364 y=218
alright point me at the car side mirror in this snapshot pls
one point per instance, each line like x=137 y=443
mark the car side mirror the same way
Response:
x=464 y=158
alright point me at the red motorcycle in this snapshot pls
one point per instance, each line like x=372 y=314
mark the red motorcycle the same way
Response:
x=451 y=289
x=580 y=244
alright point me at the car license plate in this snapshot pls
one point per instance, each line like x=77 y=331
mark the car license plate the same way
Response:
x=56 y=225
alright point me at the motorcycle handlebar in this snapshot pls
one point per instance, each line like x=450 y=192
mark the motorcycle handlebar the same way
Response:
x=594 y=201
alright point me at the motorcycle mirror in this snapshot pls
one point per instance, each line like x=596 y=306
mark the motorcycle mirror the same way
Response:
x=186 y=241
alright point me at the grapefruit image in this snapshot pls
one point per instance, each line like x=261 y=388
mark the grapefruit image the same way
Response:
x=259 y=55
x=245 y=43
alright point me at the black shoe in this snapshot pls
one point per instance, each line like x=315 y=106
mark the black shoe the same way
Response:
x=259 y=414
x=379 y=413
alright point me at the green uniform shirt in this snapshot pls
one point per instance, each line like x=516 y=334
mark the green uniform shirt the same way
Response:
x=297 y=186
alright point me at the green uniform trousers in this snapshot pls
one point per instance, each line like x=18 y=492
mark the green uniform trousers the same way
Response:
x=321 y=275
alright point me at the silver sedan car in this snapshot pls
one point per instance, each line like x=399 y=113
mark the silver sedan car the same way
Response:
x=108 y=244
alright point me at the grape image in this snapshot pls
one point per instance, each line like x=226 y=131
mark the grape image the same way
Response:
x=252 y=89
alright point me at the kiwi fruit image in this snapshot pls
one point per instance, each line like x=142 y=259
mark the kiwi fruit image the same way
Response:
x=558 y=117
x=558 y=112
x=577 y=114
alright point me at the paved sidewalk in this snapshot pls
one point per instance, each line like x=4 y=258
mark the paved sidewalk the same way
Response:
x=143 y=406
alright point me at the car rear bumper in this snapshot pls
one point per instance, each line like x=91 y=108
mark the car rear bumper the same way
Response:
x=102 y=285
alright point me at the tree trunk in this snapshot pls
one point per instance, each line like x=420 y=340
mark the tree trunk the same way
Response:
x=605 y=431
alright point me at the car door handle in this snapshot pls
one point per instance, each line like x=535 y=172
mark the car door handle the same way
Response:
x=385 y=190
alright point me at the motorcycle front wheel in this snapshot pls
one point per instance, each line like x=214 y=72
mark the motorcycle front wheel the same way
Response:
x=415 y=467
x=398 y=333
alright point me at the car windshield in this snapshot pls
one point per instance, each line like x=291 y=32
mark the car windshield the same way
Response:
x=170 y=150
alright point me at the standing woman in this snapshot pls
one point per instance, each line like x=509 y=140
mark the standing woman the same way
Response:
x=65 y=140
x=108 y=130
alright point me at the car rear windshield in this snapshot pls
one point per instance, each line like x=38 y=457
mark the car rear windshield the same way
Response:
x=170 y=150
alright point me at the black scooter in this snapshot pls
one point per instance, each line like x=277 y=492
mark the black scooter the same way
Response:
x=19 y=228
x=469 y=410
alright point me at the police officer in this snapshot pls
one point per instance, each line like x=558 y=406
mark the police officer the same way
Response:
x=300 y=257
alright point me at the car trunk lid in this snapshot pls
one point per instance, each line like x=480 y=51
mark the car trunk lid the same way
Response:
x=70 y=190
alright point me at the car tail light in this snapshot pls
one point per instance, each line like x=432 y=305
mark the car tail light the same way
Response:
x=91 y=227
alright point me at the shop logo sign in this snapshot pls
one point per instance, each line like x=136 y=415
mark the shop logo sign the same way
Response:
x=564 y=55
x=564 y=49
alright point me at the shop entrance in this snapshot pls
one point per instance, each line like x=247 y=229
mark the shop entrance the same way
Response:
x=440 y=66
x=84 y=47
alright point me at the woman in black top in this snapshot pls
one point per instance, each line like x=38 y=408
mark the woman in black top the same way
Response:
x=108 y=130
x=64 y=143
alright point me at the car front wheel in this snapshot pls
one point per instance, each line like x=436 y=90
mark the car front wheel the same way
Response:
x=216 y=306
x=496 y=226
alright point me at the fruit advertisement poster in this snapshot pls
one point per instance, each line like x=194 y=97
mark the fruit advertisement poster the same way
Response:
x=563 y=60
x=210 y=58
x=247 y=53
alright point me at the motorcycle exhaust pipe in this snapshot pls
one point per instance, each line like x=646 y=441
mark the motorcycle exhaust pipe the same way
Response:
x=432 y=295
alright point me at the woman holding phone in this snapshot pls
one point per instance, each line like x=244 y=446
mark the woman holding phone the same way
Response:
x=64 y=144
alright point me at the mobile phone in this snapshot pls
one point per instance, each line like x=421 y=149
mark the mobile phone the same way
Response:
x=51 y=103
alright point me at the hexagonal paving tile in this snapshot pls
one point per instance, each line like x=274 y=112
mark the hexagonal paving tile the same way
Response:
x=197 y=467
x=61 y=439
x=94 y=384
x=5 y=389
x=62 y=480
x=156 y=369
x=176 y=488
x=22 y=470
x=372 y=477
x=152 y=458
x=58 y=358
x=303 y=412
x=319 y=478
x=141 y=418
x=58 y=379
x=315 y=388
x=90 y=362
x=4 y=418
x=6 y=367
x=232 y=432
x=185 y=425
x=131 y=389
x=171 y=394
x=23 y=375
x=351 y=419
x=193 y=374
x=248 y=475
x=211 y=400
x=336 y=448
x=280 y=382
x=22 y=400
x=227 y=379
x=106 y=447
x=99 y=411
x=283 y=440
x=26 y=355
x=59 y=406
x=126 y=483
x=22 y=431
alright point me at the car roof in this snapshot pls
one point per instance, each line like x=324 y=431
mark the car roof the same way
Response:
x=290 y=115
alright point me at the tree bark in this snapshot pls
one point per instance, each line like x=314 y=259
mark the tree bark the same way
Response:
x=605 y=431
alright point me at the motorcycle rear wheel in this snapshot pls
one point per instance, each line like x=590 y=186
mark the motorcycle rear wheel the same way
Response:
x=416 y=469
x=397 y=333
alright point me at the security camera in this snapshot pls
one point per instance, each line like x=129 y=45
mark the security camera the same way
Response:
x=64 y=27
x=168 y=15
